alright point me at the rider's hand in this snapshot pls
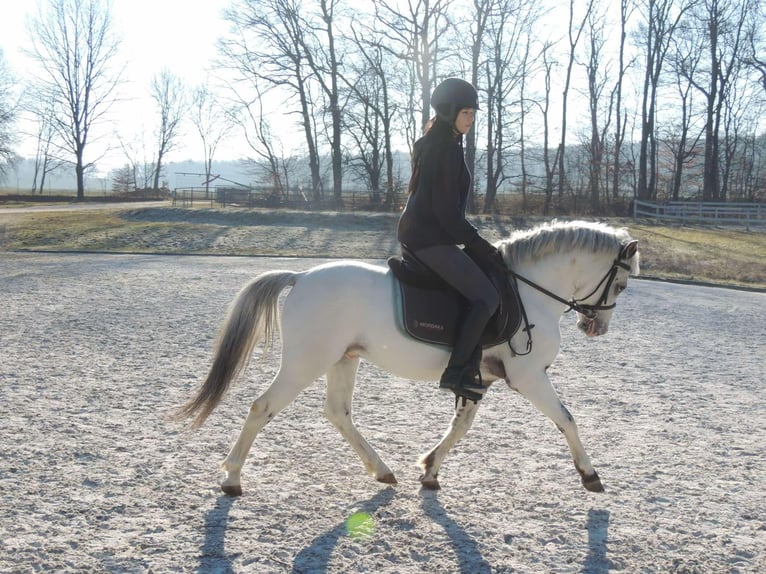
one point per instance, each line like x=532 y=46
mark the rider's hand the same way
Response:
x=483 y=249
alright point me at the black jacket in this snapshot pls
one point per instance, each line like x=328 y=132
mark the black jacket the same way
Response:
x=435 y=210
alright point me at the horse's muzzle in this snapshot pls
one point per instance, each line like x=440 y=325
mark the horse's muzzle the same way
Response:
x=592 y=327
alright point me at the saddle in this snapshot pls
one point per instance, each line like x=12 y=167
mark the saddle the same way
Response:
x=431 y=311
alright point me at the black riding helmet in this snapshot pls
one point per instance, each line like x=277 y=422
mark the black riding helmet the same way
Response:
x=451 y=96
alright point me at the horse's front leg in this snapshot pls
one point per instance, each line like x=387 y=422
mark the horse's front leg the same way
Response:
x=538 y=390
x=341 y=378
x=430 y=462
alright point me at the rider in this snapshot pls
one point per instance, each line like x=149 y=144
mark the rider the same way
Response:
x=433 y=224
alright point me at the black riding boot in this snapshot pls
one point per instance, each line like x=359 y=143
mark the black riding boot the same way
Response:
x=463 y=367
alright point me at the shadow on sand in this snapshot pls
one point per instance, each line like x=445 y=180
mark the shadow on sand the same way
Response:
x=469 y=559
x=213 y=556
x=596 y=561
x=316 y=556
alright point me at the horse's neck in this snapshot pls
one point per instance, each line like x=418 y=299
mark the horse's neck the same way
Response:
x=554 y=272
x=565 y=273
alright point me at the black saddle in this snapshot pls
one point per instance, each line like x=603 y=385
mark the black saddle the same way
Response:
x=432 y=311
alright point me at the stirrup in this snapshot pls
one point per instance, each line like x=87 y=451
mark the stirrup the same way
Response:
x=457 y=378
x=466 y=396
x=473 y=392
x=472 y=387
x=462 y=382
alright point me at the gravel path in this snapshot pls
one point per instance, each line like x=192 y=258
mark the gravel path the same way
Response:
x=96 y=349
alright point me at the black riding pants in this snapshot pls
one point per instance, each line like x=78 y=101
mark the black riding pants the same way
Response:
x=459 y=271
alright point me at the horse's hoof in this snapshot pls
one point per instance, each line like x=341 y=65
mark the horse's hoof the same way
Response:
x=430 y=483
x=592 y=483
x=387 y=478
x=232 y=489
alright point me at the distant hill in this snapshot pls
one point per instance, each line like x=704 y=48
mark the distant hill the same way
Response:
x=188 y=173
x=175 y=174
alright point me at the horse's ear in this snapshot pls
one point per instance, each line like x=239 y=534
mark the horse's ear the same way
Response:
x=629 y=249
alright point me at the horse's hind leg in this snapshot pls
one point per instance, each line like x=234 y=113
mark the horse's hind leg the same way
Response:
x=461 y=422
x=340 y=389
x=283 y=390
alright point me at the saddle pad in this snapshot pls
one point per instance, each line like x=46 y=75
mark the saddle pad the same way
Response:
x=434 y=315
x=430 y=315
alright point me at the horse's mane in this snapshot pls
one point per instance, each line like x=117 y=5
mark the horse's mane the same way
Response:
x=556 y=236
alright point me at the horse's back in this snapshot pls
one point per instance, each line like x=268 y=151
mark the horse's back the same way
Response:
x=339 y=294
x=351 y=267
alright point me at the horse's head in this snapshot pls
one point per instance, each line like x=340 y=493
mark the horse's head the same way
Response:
x=595 y=311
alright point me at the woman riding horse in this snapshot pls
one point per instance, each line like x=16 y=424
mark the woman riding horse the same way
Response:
x=433 y=224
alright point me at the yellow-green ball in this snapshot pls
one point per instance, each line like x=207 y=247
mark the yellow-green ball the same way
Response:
x=360 y=525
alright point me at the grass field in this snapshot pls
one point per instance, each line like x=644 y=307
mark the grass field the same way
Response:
x=721 y=255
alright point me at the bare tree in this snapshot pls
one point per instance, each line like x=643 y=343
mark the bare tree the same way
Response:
x=370 y=113
x=270 y=162
x=505 y=53
x=415 y=29
x=738 y=100
x=45 y=163
x=685 y=55
x=724 y=22
x=751 y=160
x=482 y=11
x=662 y=17
x=574 y=31
x=139 y=165
x=524 y=70
x=597 y=73
x=545 y=105
x=626 y=7
x=168 y=93
x=74 y=44
x=756 y=53
x=7 y=116
x=321 y=52
x=365 y=131
x=268 y=43
x=39 y=109
x=749 y=167
x=213 y=123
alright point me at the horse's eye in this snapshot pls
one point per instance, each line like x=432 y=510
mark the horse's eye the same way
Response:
x=620 y=288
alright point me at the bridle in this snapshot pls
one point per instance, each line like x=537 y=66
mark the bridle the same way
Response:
x=585 y=308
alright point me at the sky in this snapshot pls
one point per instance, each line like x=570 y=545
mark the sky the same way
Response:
x=155 y=34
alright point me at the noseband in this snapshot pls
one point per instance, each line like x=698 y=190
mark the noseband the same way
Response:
x=586 y=309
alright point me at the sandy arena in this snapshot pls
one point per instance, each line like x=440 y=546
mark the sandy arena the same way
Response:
x=95 y=350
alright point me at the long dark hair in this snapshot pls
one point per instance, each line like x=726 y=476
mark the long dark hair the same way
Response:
x=437 y=135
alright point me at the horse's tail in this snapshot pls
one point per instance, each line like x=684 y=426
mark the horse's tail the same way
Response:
x=252 y=318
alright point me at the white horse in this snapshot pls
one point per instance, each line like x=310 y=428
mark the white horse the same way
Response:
x=340 y=312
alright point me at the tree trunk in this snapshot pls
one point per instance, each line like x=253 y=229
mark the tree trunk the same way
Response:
x=337 y=152
x=710 y=181
x=316 y=179
x=157 y=170
x=618 y=136
x=80 y=173
x=491 y=185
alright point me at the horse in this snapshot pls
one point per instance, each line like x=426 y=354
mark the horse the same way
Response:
x=341 y=312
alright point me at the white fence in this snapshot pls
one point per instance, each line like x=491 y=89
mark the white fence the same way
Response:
x=699 y=211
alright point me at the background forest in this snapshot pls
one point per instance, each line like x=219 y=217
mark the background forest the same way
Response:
x=588 y=102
